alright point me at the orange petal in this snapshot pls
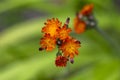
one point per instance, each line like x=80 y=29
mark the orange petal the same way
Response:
x=87 y=9
x=70 y=47
x=51 y=27
x=79 y=26
x=48 y=42
x=63 y=33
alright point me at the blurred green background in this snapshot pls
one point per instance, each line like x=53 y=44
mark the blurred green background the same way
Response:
x=20 y=32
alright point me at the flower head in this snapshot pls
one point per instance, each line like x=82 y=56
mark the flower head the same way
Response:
x=70 y=47
x=87 y=9
x=83 y=19
x=51 y=27
x=64 y=32
x=56 y=34
x=61 y=61
x=79 y=25
x=48 y=42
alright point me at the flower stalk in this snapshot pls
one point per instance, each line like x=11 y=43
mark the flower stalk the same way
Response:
x=112 y=43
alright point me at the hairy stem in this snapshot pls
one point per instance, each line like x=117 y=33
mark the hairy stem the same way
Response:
x=112 y=43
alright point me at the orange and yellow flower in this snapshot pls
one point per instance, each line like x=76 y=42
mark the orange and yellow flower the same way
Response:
x=56 y=34
x=79 y=26
x=87 y=9
x=61 y=61
x=51 y=27
x=70 y=47
x=48 y=42
x=63 y=33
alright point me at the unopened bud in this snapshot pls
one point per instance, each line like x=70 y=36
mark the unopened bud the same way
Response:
x=40 y=49
x=67 y=20
x=59 y=42
x=72 y=61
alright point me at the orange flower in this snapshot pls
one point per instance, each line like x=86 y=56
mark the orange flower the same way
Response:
x=61 y=61
x=87 y=9
x=79 y=26
x=51 y=27
x=48 y=42
x=55 y=34
x=70 y=47
x=64 y=32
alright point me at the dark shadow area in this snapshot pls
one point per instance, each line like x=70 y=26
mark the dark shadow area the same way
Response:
x=18 y=15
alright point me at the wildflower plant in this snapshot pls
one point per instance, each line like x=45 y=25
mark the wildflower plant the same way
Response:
x=56 y=34
x=85 y=20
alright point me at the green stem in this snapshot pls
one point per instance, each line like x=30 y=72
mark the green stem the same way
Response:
x=112 y=43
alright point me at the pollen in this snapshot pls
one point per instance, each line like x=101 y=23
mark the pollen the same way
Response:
x=87 y=9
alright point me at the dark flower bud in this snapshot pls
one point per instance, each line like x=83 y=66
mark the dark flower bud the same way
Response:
x=40 y=49
x=67 y=20
x=59 y=42
x=72 y=61
x=78 y=42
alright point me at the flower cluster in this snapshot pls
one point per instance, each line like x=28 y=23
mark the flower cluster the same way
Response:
x=84 y=19
x=56 y=34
